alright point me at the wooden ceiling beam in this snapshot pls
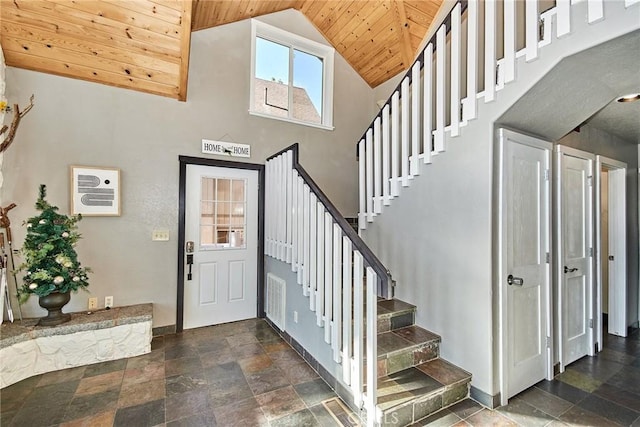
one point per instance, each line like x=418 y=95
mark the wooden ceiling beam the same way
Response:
x=402 y=25
x=185 y=49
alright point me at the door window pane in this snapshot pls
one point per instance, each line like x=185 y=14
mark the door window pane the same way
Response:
x=222 y=213
x=237 y=194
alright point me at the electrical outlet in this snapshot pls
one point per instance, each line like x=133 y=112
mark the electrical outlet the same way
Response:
x=108 y=302
x=93 y=303
x=160 y=235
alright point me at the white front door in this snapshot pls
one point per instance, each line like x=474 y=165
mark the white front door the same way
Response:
x=221 y=235
x=525 y=260
x=575 y=243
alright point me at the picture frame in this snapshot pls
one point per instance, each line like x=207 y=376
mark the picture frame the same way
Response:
x=95 y=191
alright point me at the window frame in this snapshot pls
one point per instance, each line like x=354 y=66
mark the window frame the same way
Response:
x=294 y=41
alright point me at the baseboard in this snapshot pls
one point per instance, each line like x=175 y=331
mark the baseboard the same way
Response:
x=163 y=330
x=485 y=399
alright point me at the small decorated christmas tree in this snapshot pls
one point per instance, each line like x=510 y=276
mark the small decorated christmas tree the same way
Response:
x=51 y=263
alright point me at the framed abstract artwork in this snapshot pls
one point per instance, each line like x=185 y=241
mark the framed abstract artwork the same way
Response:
x=95 y=191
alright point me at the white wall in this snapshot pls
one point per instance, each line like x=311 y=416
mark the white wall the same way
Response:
x=76 y=122
x=436 y=240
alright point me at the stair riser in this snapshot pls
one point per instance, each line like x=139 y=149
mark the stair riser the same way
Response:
x=389 y=364
x=390 y=322
x=422 y=408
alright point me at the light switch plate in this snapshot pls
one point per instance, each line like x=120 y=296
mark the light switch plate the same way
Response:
x=160 y=235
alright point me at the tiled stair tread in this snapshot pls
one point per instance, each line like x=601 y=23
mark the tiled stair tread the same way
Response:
x=416 y=334
x=418 y=383
x=444 y=372
x=404 y=339
x=393 y=306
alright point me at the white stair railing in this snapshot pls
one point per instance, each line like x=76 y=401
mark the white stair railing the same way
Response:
x=334 y=267
x=439 y=94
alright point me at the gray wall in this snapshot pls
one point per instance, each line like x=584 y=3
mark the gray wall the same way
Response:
x=596 y=141
x=76 y=122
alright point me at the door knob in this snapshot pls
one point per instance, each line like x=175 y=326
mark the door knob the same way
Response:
x=518 y=281
x=569 y=270
x=611 y=258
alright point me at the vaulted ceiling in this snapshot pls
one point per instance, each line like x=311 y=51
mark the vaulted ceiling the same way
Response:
x=379 y=38
x=144 y=44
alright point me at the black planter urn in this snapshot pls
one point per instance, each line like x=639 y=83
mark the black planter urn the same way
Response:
x=53 y=303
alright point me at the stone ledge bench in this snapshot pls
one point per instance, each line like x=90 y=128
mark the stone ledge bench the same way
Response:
x=27 y=350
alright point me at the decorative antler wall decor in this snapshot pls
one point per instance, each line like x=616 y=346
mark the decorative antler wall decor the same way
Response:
x=4 y=220
x=17 y=116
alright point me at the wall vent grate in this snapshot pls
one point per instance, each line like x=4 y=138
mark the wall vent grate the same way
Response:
x=276 y=292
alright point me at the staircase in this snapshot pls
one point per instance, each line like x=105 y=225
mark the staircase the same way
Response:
x=413 y=381
x=348 y=288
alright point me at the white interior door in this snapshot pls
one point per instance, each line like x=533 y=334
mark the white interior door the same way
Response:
x=575 y=243
x=526 y=270
x=221 y=221
x=617 y=255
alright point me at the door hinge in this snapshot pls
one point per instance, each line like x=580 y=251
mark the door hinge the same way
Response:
x=548 y=257
x=590 y=180
x=591 y=252
x=591 y=323
x=548 y=342
x=541 y=29
x=546 y=174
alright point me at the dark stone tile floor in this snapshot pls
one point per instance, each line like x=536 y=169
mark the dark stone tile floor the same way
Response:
x=236 y=374
x=244 y=374
x=594 y=391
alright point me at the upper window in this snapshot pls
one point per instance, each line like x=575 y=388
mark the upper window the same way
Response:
x=292 y=77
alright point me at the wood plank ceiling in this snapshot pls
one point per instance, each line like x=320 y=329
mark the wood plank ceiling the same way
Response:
x=144 y=44
x=378 y=38
x=140 y=44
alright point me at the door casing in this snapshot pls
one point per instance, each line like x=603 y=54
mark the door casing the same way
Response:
x=621 y=294
x=187 y=160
